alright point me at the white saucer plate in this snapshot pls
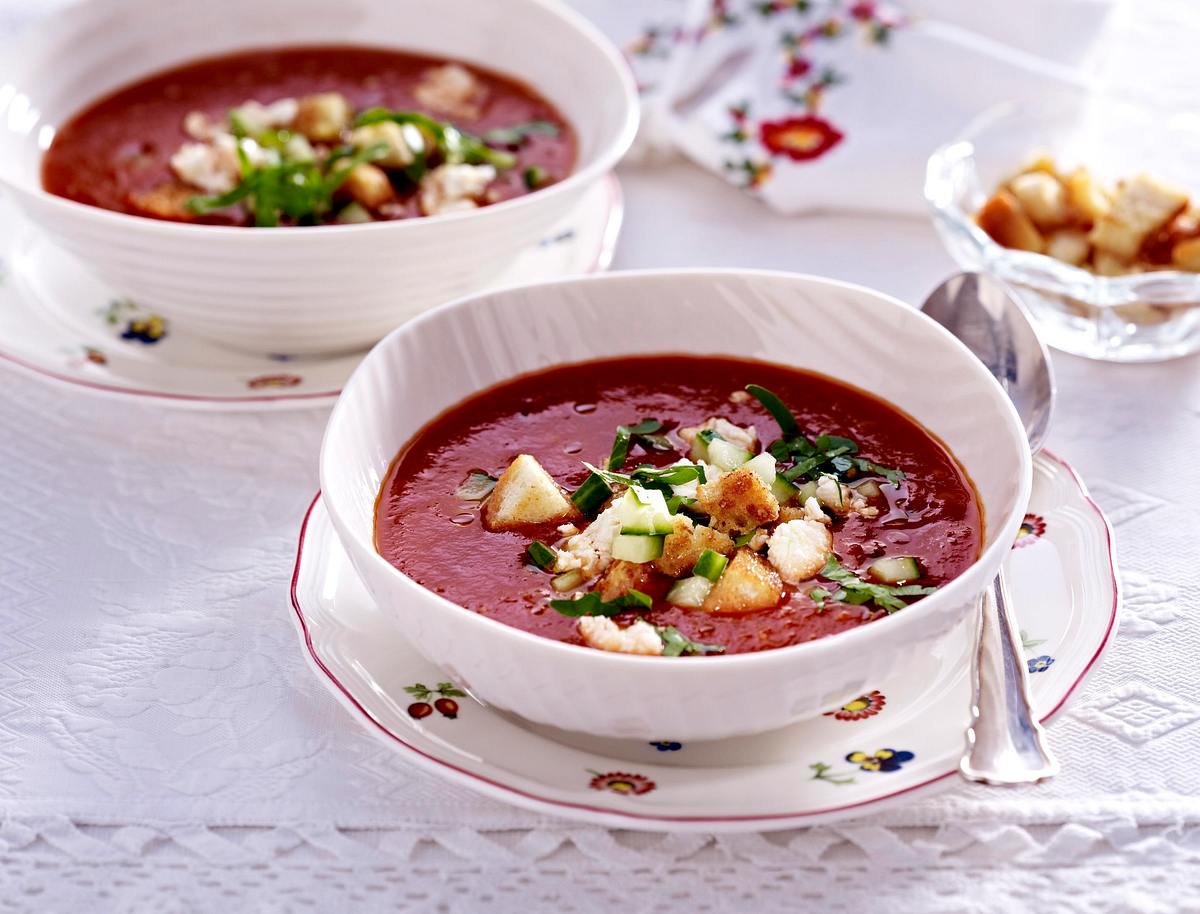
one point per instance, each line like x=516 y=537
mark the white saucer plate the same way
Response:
x=59 y=322
x=902 y=739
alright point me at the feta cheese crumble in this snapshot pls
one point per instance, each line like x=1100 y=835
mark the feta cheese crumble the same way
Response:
x=604 y=634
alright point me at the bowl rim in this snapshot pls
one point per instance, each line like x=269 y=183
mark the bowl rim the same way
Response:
x=954 y=590
x=610 y=152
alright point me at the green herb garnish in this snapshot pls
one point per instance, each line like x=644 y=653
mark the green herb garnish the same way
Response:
x=477 y=486
x=676 y=644
x=827 y=454
x=534 y=177
x=519 y=133
x=641 y=433
x=541 y=555
x=301 y=191
x=451 y=144
x=856 y=591
x=590 y=604
x=745 y=538
x=648 y=477
x=594 y=492
x=819 y=595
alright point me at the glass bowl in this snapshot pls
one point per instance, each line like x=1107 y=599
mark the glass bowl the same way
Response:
x=1140 y=317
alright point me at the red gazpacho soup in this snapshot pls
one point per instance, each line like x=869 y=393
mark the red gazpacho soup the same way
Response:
x=678 y=505
x=310 y=136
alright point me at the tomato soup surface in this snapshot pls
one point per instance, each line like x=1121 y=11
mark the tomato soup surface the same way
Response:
x=116 y=153
x=568 y=414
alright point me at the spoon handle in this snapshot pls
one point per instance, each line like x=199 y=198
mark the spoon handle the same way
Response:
x=1005 y=743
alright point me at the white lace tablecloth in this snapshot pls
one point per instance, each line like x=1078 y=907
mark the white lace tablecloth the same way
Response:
x=164 y=747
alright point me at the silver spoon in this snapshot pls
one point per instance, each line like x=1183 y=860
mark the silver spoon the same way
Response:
x=1005 y=742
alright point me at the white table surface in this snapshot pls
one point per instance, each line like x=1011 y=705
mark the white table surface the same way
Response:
x=164 y=747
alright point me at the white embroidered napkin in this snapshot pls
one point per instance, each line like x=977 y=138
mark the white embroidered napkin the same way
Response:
x=836 y=104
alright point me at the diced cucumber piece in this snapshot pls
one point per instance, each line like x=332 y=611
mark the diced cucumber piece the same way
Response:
x=895 y=569
x=644 y=512
x=637 y=548
x=710 y=565
x=592 y=494
x=568 y=580
x=703 y=439
x=542 y=555
x=764 y=467
x=868 y=488
x=807 y=491
x=726 y=456
x=690 y=592
x=785 y=493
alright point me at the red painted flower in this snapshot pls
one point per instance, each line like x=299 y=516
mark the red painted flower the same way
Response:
x=1031 y=530
x=798 y=67
x=274 y=380
x=863 y=11
x=620 y=782
x=799 y=138
x=860 y=708
x=95 y=356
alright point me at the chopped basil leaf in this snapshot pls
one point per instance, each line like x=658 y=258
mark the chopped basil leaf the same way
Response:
x=452 y=145
x=648 y=477
x=676 y=644
x=810 y=458
x=643 y=434
x=856 y=591
x=590 y=604
x=776 y=407
x=709 y=435
x=519 y=133
x=541 y=555
x=477 y=486
x=819 y=595
x=676 y=502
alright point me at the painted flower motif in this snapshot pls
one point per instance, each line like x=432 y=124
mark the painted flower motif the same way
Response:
x=667 y=745
x=860 y=708
x=1033 y=527
x=798 y=68
x=95 y=356
x=1040 y=664
x=620 y=782
x=880 y=760
x=149 y=329
x=863 y=11
x=274 y=380
x=801 y=139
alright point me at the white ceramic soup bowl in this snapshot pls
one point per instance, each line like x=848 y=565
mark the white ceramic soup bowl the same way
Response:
x=435 y=361
x=321 y=289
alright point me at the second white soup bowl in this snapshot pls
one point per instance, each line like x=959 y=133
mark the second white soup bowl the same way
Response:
x=325 y=288
x=889 y=349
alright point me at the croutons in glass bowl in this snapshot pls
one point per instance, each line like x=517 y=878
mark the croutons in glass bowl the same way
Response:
x=1083 y=205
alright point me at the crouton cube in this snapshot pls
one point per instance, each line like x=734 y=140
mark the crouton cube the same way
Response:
x=1140 y=207
x=451 y=89
x=1008 y=225
x=683 y=546
x=1086 y=195
x=799 y=548
x=604 y=634
x=737 y=502
x=1186 y=255
x=389 y=135
x=526 y=494
x=369 y=185
x=1068 y=245
x=166 y=201
x=1043 y=198
x=323 y=117
x=748 y=583
x=622 y=577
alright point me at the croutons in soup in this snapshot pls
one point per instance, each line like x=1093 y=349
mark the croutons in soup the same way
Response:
x=678 y=505
x=310 y=136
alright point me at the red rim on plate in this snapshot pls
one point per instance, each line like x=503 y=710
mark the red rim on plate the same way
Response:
x=550 y=805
